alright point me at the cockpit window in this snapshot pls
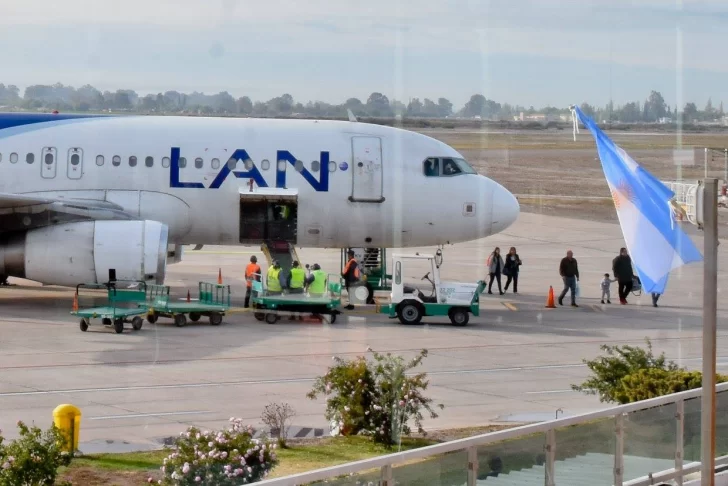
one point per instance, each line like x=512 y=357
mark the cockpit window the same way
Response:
x=446 y=166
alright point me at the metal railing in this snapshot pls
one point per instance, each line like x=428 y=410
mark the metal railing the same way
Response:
x=658 y=429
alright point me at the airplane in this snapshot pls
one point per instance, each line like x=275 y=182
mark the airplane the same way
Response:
x=81 y=194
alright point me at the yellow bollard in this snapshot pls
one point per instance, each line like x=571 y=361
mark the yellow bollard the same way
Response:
x=67 y=418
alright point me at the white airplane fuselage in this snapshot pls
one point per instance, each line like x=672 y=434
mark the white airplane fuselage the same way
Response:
x=354 y=184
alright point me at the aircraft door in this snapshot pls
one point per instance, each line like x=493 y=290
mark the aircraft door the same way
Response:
x=75 y=163
x=367 y=169
x=49 y=160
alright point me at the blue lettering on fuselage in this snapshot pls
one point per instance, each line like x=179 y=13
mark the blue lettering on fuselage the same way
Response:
x=320 y=185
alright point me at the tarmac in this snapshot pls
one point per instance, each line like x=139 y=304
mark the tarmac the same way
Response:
x=514 y=363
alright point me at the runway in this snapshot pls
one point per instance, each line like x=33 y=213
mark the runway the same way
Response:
x=515 y=362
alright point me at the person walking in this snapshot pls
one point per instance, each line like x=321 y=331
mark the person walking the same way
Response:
x=569 y=271
x=655 y=298
x=351 y=275
x=606 y=288
x=495 y=268
x=252 y=273
x=622 y=270
x=512 y=267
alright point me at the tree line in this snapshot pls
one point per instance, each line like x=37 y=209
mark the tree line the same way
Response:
x=89 y=99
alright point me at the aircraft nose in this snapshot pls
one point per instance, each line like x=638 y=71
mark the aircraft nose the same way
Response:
x=505 y=208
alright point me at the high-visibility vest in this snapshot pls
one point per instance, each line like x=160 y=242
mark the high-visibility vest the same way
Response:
x=318 y=286
x=285 y=212
x=274 y=285
x=356 y=273
x=298 y=276
x=250 y=272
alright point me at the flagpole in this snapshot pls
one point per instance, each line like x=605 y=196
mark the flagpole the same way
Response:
x=710 y=310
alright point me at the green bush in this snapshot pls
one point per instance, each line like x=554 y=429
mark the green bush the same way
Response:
x=630 y=373
x=227 y=457
x=375 y=398
x=655 y=382
x=33 y=459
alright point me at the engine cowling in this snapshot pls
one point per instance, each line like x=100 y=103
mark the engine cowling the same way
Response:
x=74 y=253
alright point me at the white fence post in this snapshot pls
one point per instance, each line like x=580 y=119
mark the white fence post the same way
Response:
x=618 y=449
x=472 y=466
x=386 y=476
x=550 y=457
x=679 y=440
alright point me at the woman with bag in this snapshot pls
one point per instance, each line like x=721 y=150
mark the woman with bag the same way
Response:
x=495 y=268
x=511 y=268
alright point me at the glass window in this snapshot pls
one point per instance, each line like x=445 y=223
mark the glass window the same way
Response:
x=231 y=163
x=464 y=167
x=149 y=161
x=398 y=274
x=299 y=166
x=13 y=158
x=199 y=163
x=265 y=164
x=182 y=162
x=315 y=166
x=248 y=164
x=1 y=157
x=281 y=166
x=132 y=161
x=165 y=162
x=30 y=158
x=215 y=163
x=332 y=167
x=116 y=161
x=75 y=159
x=49 y=159
x=432 y=167
x=99 y=160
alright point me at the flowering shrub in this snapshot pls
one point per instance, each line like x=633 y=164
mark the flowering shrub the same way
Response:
x=226 y=457
x=375 y=398
x=34 y=458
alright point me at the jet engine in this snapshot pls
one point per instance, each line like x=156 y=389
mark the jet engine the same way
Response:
x=74 y=253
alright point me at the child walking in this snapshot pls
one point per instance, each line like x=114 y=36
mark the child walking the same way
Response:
x=606 y=283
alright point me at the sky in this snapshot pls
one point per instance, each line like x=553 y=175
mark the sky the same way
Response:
x=526 y=52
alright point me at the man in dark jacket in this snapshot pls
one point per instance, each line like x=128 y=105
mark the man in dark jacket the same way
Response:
x=569 y=271
x=622 y=270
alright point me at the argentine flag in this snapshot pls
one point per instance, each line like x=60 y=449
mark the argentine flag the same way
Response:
x=656 y=244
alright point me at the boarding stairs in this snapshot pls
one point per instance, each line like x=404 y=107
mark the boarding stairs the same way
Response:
x=590 y=469
x=283 y=252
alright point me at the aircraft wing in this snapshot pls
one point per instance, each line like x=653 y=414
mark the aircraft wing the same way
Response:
x=24 y=212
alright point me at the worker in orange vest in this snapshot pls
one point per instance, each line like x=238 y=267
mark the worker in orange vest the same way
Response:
x=252 y=272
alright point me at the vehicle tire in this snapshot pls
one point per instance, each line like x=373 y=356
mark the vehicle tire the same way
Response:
x=180 y=320
x=459 y=317
x=152 y=318
x=119 y=326
x=215 y=319
x=195 y=316
x=136 y=323
x=106 y=321
x=410 y=313
x=271 y=318
x=83 y=325
x=260 y=316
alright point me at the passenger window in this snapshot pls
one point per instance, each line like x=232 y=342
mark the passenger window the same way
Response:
x=13 y=158
x=182 y=162
x=30 y=158
x=332 y=167
x=48 y=159
x=116 y=161
x=149 y=161
x=165 y=162
x=215 y=163
x=249 y=164
x=315 y=166
x=199 y=163
x=432 y=167
x=75 y=159
x=449 y=167
x=99 y=160
x=132 y=161
x=231 y=163
x=298 y=166
x=265 y=164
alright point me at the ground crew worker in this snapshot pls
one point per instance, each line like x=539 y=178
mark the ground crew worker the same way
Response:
x=351 y=275
x=296 y=282
x=252 y=273
x=317 y=281
x=273 y=279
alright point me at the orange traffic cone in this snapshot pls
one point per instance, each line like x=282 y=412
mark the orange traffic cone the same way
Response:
x=75 y=302
x=188 y=296
x=219 y=276
x=550 y=304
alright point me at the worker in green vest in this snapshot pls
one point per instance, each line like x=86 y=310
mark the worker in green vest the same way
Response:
x=273 y=281
x=296 y=282
x=317 y=282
